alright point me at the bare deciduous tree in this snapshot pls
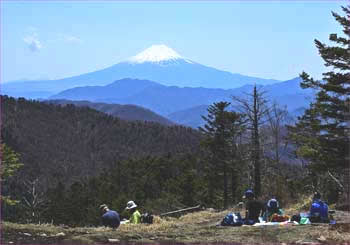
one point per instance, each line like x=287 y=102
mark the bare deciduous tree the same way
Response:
x=33 y=200
x=277 y=118
x=254 y=106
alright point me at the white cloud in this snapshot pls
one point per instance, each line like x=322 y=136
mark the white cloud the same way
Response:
x=33 y=42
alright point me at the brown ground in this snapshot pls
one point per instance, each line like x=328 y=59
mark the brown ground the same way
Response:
x=195 y=228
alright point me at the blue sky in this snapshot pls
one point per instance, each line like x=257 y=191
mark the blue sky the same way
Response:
x=267 y=39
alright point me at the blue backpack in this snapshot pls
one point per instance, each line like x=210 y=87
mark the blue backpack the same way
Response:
x=232 y=219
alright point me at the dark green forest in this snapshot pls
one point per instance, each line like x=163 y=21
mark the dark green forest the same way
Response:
x=59 y=163
x=71 y=159
x=126 y=112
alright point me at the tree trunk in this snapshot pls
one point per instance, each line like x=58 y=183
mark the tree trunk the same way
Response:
x=225 y=185
x=233 y=185
x=256 y=147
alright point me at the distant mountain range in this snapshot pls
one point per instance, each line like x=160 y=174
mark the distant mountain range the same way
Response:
x=125 y=112
x=191 y=117
x=160 y=80
x=158 y=63
x=184 y=105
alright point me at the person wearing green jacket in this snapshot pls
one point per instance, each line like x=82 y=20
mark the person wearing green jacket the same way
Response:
x=135 y=216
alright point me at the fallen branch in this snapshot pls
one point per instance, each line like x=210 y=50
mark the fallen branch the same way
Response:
x=181 y=210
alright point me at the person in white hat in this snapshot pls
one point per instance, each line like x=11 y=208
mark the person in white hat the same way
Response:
x=135 y=217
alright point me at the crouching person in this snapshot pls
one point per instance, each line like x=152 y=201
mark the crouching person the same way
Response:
x=274 y=213
x=135 y=216
x=319 y=210
x=272 y=207
x=110 y=218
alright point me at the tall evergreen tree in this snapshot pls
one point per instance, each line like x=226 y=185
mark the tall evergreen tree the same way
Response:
x=220 y=129
x=322 y=133
x=10 y=163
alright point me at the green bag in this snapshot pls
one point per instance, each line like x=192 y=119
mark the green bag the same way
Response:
x=304 y=221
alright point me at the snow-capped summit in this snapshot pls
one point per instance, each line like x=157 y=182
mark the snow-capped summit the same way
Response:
x=156 y=53
x=157 y=63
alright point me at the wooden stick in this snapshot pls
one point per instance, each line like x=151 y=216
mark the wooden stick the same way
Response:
x=180 y=210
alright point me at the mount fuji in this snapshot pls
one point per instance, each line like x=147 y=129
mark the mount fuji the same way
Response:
x=157 y=63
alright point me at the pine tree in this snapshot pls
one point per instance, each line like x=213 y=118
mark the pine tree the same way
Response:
x=322 y=133
x=220 y=130
x=10 y=163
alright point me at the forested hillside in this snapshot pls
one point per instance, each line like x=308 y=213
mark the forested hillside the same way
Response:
x=66 y=142
x=62 y=145
x=125 y=112
x=79 y=157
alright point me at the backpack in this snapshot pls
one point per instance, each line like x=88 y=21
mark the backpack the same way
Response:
x=232 y=219
x=147 y=218
x=296 y=217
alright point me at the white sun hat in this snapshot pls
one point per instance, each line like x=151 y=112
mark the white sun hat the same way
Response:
x=103 y=207
x=130 y=205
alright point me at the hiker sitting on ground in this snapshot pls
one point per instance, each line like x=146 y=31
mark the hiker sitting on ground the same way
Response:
x=110 y=218
x=319 y=210
x=254 y=208
x=272 y=207
x=135 y=216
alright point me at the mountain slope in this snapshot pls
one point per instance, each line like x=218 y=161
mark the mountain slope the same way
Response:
x=191 y=117
x=165 y=100
x=123 y=88
x=65 y=143
x=158 y=98
x=125 y=112
x=157 y=63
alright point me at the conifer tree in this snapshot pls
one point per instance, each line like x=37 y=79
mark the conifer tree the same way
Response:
x=220 y=129
x=10 y=163
x=322 y=133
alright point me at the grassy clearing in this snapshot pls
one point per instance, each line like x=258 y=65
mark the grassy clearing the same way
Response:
x=199 y=227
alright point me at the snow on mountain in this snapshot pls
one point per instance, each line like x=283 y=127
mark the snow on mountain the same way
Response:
x=157 y=54
x=157 y=63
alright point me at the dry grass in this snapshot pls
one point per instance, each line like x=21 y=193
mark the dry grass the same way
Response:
x=332 y=235
x=301 y=206
x=159 y=225
x=199 y=227
x=202 y=217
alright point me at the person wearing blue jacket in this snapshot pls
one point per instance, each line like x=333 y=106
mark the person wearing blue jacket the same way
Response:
x=110 y=218
x=319 y=210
